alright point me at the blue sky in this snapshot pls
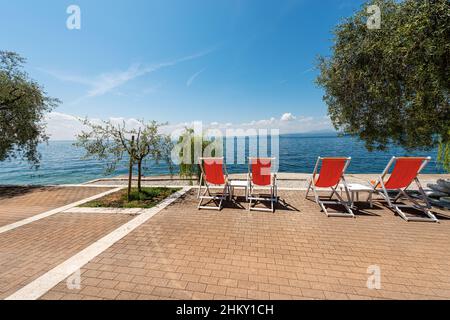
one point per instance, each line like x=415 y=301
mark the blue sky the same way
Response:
x=178 y=61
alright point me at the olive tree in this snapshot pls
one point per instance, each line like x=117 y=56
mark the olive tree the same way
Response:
x=23 y=105
x=391 y=85
x=192 y=147
x=111 y=143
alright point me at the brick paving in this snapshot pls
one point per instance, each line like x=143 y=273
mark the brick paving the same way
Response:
x=295 y=253
x=33 y=249
x=17 y=203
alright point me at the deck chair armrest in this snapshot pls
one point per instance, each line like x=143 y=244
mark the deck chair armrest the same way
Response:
x=377 y=182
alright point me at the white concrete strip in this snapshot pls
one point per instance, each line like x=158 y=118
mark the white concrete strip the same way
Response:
x=105 y=210
x=165 y=186
x=54 y=211
x=122 y=185
x=92 y=181
x=83 y=186
x=46 y=282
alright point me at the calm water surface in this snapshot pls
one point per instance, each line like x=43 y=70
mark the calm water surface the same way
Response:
x=62 y=162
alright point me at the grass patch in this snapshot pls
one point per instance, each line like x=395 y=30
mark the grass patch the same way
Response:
x=147 y=198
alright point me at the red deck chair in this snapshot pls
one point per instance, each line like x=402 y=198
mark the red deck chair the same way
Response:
x=330 y=176
x=260 y=176
x=213 y=176
x=405 y=171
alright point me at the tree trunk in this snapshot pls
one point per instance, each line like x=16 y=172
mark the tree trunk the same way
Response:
x=130 y=170
x=139 y=175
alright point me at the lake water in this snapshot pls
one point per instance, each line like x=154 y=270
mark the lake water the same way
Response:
x=62 y=162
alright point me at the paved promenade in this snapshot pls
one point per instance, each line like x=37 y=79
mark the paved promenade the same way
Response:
x=49 y=249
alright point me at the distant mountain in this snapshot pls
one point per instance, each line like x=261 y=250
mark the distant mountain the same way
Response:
x=318 y=133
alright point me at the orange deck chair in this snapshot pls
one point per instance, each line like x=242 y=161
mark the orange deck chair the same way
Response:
x=331 y=174
x=405 y=171
x=213 y=176
x=260 y=176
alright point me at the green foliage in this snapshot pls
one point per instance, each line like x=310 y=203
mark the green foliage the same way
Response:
x=23 y=105
x=110 y=142
x=146 y=198
x=444 y=155
x=391 y=85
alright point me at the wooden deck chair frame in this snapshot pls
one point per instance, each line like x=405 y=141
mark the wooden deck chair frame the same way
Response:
x=312 y=186
x=272 y=187
x=380 y=188
x=204 y=188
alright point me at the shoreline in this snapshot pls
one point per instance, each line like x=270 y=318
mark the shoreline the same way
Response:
x=287 y=180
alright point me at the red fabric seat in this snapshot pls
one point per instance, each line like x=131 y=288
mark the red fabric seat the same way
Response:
x=330 y=172
x=261 y=172
x=213 y=169
x=404 y=172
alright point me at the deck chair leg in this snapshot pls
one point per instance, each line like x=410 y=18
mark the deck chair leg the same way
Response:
x=272 y=200
x=424 y=209
x=428 y=213
x=349 y=210
x=347 y=192
x=346 y=206
x=332 y=193
x=385 y=194
x=400 y=213
x=424 y=196
x=199 y=204
x=399 y=195
x=431 y=217
x=396 y=208
x=200 y=186
x=323 y=207
x=316 y=196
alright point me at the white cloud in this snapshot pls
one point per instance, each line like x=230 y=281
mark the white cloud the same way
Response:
x=106 y=82
x=288 y=117
x=61 y=126
x=193 y=77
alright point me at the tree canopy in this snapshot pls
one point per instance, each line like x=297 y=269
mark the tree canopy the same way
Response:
x=23 y=105
x=110 y=142
x=188 y=153
x=391 y=85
